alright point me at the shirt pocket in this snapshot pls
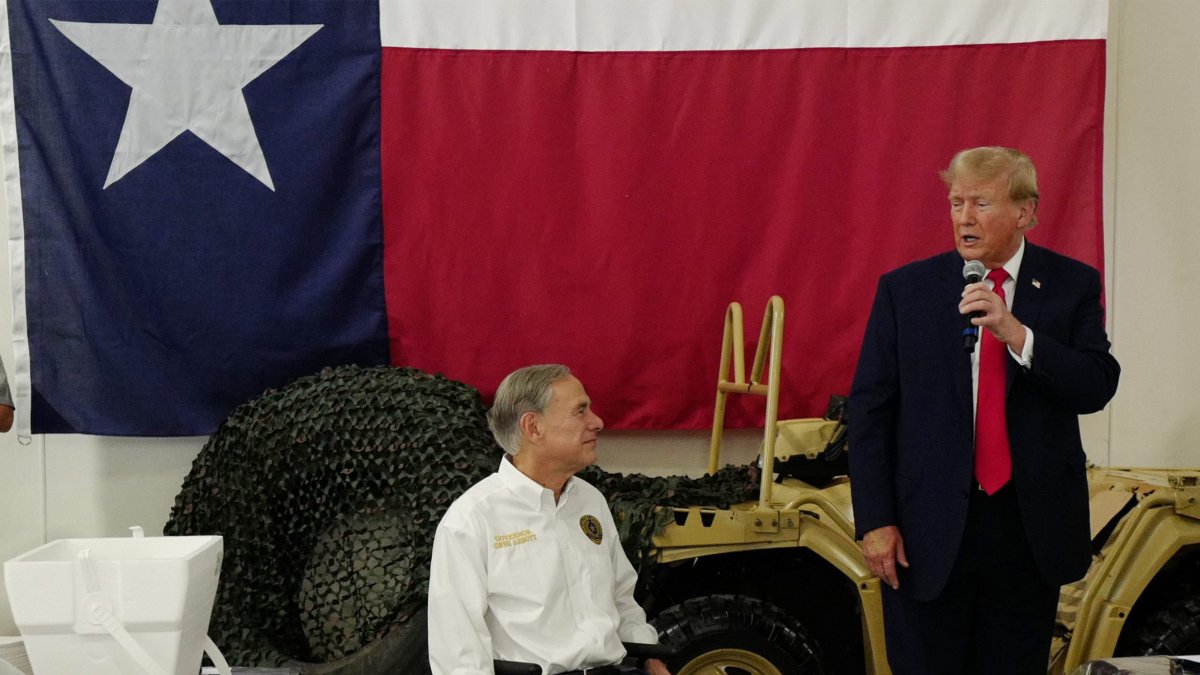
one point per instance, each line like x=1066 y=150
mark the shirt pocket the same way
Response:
x=597 y=570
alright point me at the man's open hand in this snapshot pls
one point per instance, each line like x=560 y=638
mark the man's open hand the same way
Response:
x=884 y=548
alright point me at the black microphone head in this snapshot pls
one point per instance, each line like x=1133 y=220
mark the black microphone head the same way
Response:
x=973 y=271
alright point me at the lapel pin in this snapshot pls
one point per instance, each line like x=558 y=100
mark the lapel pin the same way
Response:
x=1037 y=284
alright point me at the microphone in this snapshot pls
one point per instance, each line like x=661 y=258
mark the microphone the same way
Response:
x=973 y=273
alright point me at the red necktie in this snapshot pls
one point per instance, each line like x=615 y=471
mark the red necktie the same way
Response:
x=993 y=461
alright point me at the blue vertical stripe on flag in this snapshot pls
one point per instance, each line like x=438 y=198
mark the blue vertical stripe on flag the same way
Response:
x=191 y=283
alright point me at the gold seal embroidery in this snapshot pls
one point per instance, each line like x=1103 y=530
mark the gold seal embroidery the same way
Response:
x=591 y=527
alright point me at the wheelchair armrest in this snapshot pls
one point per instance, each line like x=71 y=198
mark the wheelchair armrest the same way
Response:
x=516 y=668
x=642 y=650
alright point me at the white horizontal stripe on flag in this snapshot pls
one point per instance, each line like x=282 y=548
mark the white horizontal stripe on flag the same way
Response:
x=686 y=25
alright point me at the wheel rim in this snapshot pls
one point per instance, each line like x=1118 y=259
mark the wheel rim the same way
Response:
x=729 y=662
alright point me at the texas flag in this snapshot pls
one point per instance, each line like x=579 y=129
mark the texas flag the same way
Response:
x=207 y=198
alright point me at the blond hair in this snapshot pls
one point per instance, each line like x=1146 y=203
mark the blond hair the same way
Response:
x=991 y=162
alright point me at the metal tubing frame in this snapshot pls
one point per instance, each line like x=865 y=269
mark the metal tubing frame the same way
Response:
x=767 y=356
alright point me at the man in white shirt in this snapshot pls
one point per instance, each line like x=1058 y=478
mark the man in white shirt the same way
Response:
x=527 y=565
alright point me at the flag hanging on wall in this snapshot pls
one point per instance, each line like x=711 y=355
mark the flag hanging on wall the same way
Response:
x=207 y=198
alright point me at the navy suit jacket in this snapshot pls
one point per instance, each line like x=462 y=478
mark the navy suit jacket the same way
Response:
x=912 y=425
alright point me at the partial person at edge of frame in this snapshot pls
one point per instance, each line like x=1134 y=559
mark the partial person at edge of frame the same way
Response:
x=6 y=402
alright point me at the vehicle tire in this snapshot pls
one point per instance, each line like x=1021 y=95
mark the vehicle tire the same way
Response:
x=1172 y=630
x=737 y=635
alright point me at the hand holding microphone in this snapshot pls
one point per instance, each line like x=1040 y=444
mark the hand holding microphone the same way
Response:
x=973 y=273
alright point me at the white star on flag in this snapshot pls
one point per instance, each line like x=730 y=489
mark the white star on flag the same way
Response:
x=187 y=72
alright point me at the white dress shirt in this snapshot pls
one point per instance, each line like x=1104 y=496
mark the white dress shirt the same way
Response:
x=515 y=576
x=1013 y=267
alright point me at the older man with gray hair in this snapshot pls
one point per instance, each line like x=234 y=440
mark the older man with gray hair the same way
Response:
x=526 y=564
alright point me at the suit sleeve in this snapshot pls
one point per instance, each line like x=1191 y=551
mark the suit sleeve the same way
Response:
x=1078 y=373
x=459 y=640
x=874 y=408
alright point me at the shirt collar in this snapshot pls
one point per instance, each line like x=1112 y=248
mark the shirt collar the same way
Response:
x=527 y=489
x=1014 y=263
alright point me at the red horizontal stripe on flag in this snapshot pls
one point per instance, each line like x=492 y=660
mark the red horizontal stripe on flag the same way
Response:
x=601 y=209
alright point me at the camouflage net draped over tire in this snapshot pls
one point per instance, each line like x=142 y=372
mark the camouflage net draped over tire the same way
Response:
x=328 y=492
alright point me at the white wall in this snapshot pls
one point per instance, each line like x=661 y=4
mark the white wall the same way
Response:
x=1156 y=415
x=73 y=486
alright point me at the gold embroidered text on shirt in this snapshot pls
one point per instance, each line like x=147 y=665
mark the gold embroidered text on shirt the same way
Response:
x=513 y=539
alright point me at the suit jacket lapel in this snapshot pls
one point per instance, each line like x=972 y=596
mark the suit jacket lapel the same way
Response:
x=1030 y=294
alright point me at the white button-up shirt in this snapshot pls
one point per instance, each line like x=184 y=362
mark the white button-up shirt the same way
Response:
x=517 y=577
x=1013 y=267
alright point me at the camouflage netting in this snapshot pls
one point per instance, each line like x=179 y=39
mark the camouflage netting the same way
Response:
x=634 y=499
x=328 y=491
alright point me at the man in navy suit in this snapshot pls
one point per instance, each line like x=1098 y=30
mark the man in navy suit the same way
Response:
x=968 y=474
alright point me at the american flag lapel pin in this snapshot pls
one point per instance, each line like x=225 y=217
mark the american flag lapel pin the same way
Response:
x=1037 y=283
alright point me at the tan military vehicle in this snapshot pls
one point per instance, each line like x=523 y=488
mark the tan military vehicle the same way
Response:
x=779 y=586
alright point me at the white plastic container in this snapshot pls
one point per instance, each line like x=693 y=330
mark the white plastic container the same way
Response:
x=116 y=606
